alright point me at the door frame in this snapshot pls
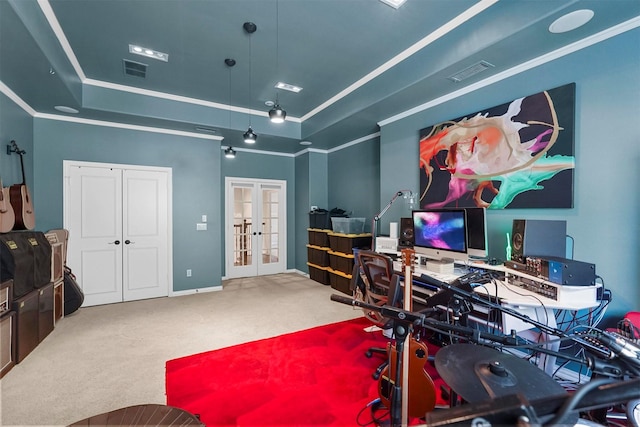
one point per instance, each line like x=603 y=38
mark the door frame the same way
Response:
x=228 y=219
x=66 y=164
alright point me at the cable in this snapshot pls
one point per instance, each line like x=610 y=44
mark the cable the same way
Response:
x=374 y=405
x=570 y=404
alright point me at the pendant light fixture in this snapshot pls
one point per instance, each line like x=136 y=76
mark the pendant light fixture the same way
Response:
x=250 y=136
x=229 y=152
x=277 y=114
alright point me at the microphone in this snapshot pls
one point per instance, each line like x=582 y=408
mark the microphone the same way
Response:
x=343 y=300
x=434 y=282
x=623 y=348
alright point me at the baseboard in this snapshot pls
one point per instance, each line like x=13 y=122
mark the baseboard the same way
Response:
x=290 y=270
x=195 y=291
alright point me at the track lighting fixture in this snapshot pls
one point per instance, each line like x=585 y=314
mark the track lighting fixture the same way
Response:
x=230 y=153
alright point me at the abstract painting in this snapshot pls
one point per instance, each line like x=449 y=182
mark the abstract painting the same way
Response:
x=516 y=155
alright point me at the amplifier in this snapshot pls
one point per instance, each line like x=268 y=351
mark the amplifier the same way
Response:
x=558 y=270
x=6 y=294
x=7 y=343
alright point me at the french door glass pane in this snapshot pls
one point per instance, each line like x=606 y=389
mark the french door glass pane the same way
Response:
x=242 y=226
x=270 y=209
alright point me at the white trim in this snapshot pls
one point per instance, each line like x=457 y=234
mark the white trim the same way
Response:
x=57 y=29
x=126 y=126
x=179 y=98
x=195 y=291
x=310 y=150
x=520 y=68
x=435 y=35
x=355 y=141
x=16 y=99
x=340 y=147
x=250 y=150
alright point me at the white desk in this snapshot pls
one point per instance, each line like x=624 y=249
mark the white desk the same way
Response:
x=533 y=305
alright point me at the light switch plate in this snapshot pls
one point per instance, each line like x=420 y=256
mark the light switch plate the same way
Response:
x=201 y=227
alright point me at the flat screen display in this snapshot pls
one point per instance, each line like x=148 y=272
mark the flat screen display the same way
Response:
x=440 y=230
x=477 y=232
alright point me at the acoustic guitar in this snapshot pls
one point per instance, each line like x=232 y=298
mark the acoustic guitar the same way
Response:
x=7 y=217
x=418 y=389
x=21 y=200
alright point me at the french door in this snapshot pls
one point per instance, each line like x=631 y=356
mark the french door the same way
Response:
x=255 y=227
x=118 y=218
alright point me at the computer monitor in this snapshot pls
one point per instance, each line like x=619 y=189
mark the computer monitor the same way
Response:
x=477 y=246
x=440 y=234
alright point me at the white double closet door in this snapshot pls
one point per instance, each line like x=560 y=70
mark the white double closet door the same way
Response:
x=119 y=222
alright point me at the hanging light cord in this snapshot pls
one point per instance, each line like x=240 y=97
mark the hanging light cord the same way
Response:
x=250 y=81
x=277 y=46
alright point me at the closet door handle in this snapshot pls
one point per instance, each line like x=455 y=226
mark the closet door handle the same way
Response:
x=115 y=242
x=126 y=242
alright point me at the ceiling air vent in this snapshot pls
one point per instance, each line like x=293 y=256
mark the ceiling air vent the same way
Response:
x=470 y=71
x=136 y=69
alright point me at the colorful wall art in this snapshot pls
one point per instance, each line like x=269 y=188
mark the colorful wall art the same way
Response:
x=516 y=155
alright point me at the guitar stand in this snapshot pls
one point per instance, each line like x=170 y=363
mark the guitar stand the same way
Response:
x=14 y=149
x=401 y=330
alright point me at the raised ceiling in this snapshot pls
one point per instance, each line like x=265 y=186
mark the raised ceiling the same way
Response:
x=359 y=62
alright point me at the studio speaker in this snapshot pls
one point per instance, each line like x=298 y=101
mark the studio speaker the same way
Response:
x=538 y=237
x=406 y=232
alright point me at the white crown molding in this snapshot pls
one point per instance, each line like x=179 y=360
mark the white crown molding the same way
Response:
x=525 y=66
x=126 y=126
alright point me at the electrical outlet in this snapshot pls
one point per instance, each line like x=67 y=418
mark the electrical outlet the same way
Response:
x=204 y=218
x=314 y=208
x=188 y=272
x=201 y=226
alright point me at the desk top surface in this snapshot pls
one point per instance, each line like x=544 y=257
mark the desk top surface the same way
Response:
x=569 y=297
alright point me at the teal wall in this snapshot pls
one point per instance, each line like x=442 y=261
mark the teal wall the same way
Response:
x=605 y=220
x=354 y=179
x=17 y=125
x=302 y=208
x=195 y=165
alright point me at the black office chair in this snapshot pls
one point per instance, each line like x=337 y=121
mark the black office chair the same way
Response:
x=381 y=287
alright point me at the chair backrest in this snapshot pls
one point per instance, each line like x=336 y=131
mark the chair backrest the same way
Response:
x=377 y=268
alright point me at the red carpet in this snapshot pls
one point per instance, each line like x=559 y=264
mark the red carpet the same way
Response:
x=315 y=377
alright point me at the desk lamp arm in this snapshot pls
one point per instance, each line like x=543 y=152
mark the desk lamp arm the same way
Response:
x=376 y=218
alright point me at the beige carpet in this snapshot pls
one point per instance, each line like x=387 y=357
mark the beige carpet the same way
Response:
x=108 y=357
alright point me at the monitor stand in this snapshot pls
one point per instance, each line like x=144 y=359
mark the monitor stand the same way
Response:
x=441 y=266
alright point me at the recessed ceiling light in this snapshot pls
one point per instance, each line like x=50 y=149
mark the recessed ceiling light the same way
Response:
x=65 y=109
x=394 y=3
x=287 y=86
x=305 y=142
x=571 y=21
x=269 y=103
x=149 y=53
